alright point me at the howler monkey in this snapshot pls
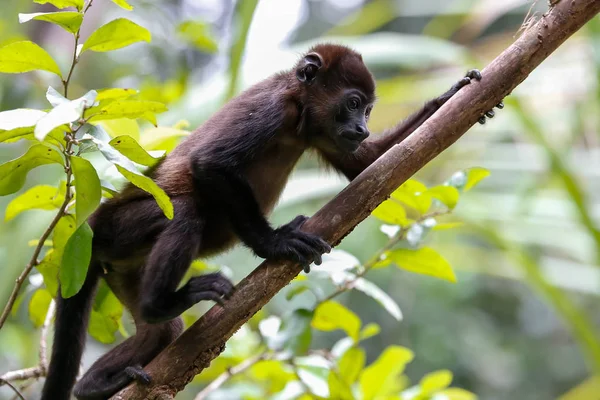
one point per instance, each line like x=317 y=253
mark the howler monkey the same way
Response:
x=223 y=180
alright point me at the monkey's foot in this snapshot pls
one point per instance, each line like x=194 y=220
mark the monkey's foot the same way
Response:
x=290 y=243
x=137 y=373
x=213 y=287
x=490 y=113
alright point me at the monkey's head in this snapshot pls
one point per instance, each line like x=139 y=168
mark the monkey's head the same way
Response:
x=338 y=95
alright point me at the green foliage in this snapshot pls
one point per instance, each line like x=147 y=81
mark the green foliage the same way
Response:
x=68 y=20
x=330 y=316
x=87 y=187
x=26 y=56
x=123 y=4
x=106 y=315
x=75 y=261
x=62 y=3
x=380 y=378
x=198 y=34
x=131 y=149
x=41 y=197
x=13 y=173
x=423 y=261
x=116 y=34
x=38 y=306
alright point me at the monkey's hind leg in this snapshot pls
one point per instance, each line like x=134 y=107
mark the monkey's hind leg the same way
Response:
x=124 y=363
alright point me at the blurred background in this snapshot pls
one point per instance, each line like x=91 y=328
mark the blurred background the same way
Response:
x=523 y=320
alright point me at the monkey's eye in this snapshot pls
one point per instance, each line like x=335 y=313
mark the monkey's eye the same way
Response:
x=353 y=104
x=368 y=112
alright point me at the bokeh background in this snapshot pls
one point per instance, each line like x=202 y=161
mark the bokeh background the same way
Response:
x=523 y=320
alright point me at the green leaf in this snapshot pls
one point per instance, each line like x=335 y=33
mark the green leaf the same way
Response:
x=390 y=212
x=295 y=291
x=370 y=330
x=330 y=316
x=115 y=93
x=423 y=261
x=380 y=296
x=447 y=225
x=435 y=381
x=474 y=176
x=123 y=4
x=130 y=172
x=68 y=20
x=198 y=34
x=122 y=126
x=13 y=173
x=49 y=267
x=131 y=149
x=337 y=388
x=63 y=3
x=148 y=185
x=25 y=56
x=41 y=197
x=116 y=34
x=38 y=307
x=295 y=333
x=106 y=315
x=413 y=194
x=162 y=138
x=448 y=195
x=377 y=378
x=127 y=109
x=351 y=365
x=87 y=188
x=75 y=261
x=102 y=328
x=456 y=394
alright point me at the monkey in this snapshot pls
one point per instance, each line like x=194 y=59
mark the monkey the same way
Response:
x=223 y=181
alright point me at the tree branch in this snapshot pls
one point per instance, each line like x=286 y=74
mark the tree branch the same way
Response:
x=193 y=351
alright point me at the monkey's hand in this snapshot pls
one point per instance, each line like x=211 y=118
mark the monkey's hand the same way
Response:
x=213 y=287
x=469 y=76
x=290 y=243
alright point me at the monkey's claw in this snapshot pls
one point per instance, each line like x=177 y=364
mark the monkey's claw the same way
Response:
x=290 y=243
x=136 y=372
x=213 y=287
x=490 y=113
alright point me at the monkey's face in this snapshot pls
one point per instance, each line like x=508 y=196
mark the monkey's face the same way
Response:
x=350 y=120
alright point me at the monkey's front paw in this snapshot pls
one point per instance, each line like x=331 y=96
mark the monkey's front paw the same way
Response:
x=213 y=287
x=290 y=243
x=490 y=113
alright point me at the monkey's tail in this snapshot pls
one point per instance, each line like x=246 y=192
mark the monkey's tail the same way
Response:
x=72 y=316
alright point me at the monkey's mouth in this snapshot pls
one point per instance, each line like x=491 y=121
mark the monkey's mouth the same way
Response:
x=349 y=144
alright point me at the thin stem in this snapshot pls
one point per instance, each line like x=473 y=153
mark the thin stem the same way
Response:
x=75 y=58
x=13 y=388
x=231 y=372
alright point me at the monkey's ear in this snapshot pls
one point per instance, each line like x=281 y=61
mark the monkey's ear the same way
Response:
x=307 y=71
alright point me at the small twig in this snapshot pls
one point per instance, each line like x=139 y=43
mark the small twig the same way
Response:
x=75 y=58
x=231 y=372
x=44 y=336
x=3 y=382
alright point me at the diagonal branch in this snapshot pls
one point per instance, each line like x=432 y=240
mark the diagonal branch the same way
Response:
x=193 y=351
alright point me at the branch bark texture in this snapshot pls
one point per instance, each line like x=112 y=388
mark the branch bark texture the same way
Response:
x=193 y=351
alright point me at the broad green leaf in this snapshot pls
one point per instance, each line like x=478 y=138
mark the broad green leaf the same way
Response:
x=62 y=114
x=370 y=330
x=447 y=225
x=448 y=195
x=377 y=378
x=123 y=4
x=435 y=381
x=474 y=176
x=41 y=197
x=390 y=212
x=13 y=173
x=338 y=389
x=127 y=109
x=49 y=267
x=330 y=316
x=63 y=3
x=456 y=394
x=19 y=118
x=413 y=194
x=351 y=364
x=25 y=56
x=115 y=93
x=131 y=149
x=116 y=34
x=162 y=138
x=380 y=296
x=68 y=20
x=38 y=306
x=102 y=328
x=130 y=172
x=148 y=185
x=75 y=261
x=122 y=126
x=423 y=261
x=87 y=188
x=198 y=34
x=295 y=333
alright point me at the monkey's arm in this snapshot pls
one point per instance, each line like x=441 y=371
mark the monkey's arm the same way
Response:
x=351 y=165
x=230 y=193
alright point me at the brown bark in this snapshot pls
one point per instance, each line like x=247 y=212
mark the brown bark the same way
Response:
x=202 y=342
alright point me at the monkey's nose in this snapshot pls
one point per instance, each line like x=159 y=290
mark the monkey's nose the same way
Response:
x=362 y=132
